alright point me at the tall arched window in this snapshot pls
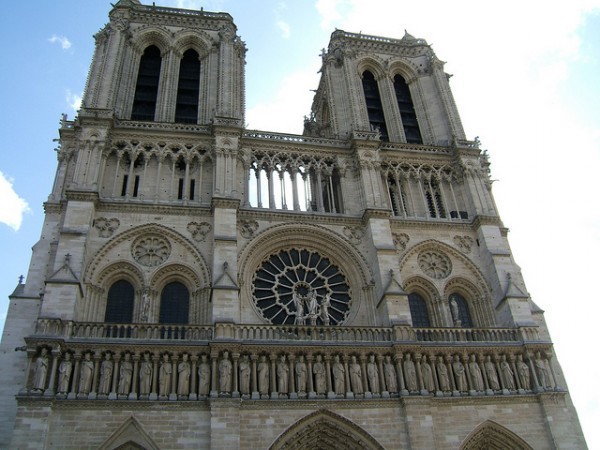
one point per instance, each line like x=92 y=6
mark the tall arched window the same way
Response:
x=188 y=88
x=374 y=105
x=418 y=311
x=407 y=111
x=461 y=309
x=146 y=88
x=119 y=304
x=174 y=303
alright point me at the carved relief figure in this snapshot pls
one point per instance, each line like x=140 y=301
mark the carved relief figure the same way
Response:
x=443 y=378
x=320 y=376
x=203 y=376
x=410 y=374
x=476 y=375
x=85 y=374
x=492 y=375
x=283 y=375
x=225 y=373
x=338 y=375
x=164 y=376
x=244 y=375
x=373 y=374
x=301 y=375
x=542 y=371
x=427 y=374
x=106 y=372
x=145 y=375
x=41 y=371
x=324 y=312
x=523 y=369
x=125 y=372
x=507 y=373
x=263 y=376
x=299 y=309
x=390 y=375
x=355 y=376
x=183 y=370
x=460 y=375
x=64 y=374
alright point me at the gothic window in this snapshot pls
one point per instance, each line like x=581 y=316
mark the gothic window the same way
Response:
x=302 y=287
x=174 y=304
x=188 y=88
x=418 y=311
x=119 y=304
x=462 y=310
x=374 y=105
x=433 y=196
x=397 y=196
x=407 y=111
x=146 y=89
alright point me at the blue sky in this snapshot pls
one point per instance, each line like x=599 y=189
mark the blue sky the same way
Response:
x=526 y=81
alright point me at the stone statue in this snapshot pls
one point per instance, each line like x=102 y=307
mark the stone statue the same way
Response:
x=203 y=376
x=410 y=374
x=299 y=309
x=145 y=306
x=542 y=371
x=283 y=375
x=373 y=375
x=507 y=374
x=338 y=375
x=492 y=375
x=64 y=374
x=389 y=371
x=460 y=375
x=85 y=374
x=244 y=368
x=263 y=376
x=454 y=309
x=301 y=375
x=320 y=376
x=183 y=370
x=427 y=374
x=125 y=373
x=523 y=369
x=443 y=378
x=145 y=375
x=41 y=371
x=313 y=305
x=355 y=373
x=164 y=376
x=225 y=369
x=324 y=312
x=476 y=375
x=106 y=372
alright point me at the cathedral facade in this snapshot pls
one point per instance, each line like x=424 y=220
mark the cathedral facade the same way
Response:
x=201 y=285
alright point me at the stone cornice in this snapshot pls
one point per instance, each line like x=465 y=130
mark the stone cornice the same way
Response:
x=81 y=196
x=298 y=216
x=193 y=211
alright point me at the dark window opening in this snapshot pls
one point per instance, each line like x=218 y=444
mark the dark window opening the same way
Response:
x=374 y=105
x=174 y=304
x=136 y=185
x=407 y=111
x=418 y=311
x=192 y=188
x=462 y=310
x=180 y=189
x=188 y=88
x=119 y=303
x=124 y=186
x=146 y=89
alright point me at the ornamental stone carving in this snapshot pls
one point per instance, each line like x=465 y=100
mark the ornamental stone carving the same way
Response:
x=434 y=264
x=199 y=230
x=106 y=227
x=248 y=228
x=354 y=234
x=464 y=243
x=151 y=250
x=401 y=240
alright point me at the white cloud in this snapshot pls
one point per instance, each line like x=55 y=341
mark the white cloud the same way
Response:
x=74 y=100
x=62 y=40
x=13 y=206
x=286 y=31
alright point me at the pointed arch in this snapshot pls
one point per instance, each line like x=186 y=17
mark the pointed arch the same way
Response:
x=130 y=435
x=325 y=430
x=490 y=435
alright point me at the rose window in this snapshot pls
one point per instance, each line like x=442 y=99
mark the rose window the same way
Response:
x=435 y=264
x=301 y=287
x=151 y=251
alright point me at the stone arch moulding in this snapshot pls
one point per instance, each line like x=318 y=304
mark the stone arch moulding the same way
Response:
x=373 y=65
x=310 y=237
x=325 y=430
x=196 y=40
x=493 y=436
x=404 y=68
x=121 y=242
x=132 y=433
x=151 y=35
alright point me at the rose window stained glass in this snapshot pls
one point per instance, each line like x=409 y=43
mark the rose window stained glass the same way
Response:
x=301 y=287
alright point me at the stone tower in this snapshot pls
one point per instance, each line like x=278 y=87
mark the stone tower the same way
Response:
x=200 y=285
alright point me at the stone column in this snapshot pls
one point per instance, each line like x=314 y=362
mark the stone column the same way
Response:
x=154 y=391
x=400 y=373
x=235 y=390
x=273 y=359
x=194 y=378
x=292 y=377
x=50 y=391
x=135 y=377
x=254 y=380
x=115 y=377
x=174 y=376
x=214 y=392
x=310 y=377
x=97 y=357
x=75 y=376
